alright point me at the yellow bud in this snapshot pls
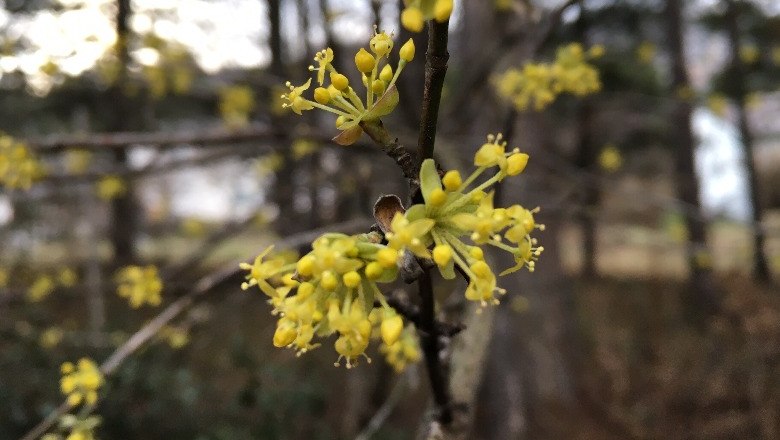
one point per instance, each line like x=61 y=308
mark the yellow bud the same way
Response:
x=442 y=10
x=413 y=20
x=452 y=180
x=378 y=86
x=481 y=269
x=364 y=61
x=374 y=270
x=341 y=120
x=351 y=279
x=329 y=281
x=321 y=95
x=305 y=290
x=442 y=254
x=284 y=335
x=516 y=163
x=407 y=50
x=339 y=81
x=438 y=197
x=391 y=329
x=305 y=265
x=386 y=74
x=476 y=253
x=387 y=257
x=333 y=92
x=74 y=399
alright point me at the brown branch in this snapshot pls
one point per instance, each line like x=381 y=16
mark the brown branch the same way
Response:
x=201 y=287
x=435 y=71
x=436 y=59
x=409 y=165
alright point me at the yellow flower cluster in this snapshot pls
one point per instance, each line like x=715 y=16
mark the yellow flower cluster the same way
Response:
x=416 y=12
x=539 y=84
x=44 y=284
x=235 y=105
x=80 y=383
x=77 y=161
x=453 y=211
x=140 y=285
x=19 y=167
x=333 y=290
x=338 y=96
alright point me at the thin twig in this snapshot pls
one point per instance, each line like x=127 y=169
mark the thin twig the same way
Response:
x=384 y=411
x=203 y=286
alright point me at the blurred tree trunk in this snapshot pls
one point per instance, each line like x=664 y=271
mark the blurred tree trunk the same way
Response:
x=124 y=208
x=530 y=366
x=586 y=161
x=702 y=300
x=760 y=266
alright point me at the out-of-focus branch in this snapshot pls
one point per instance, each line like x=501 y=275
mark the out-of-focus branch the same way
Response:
x=206 y=284
x=218 y=136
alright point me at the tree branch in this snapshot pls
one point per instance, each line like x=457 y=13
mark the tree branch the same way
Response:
x=436 y=59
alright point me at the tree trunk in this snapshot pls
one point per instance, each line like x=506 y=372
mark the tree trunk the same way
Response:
x=702 y=300
x=124 y=208
x=760 y=266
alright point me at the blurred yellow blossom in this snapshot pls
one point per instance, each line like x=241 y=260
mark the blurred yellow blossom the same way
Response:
x=610 y=159
x=19 y=167
x=192 y=227
x=176 y=337
x=80 y=383
x=51 y=337
x=77 y=161
x=111 y=187
x=646 y=52
x=749 y=54
x=42 y=287
x=718 y=104
x=303 y=147
x=537 y=85
x=140 y=285
x=235 y=105
x=67 y=277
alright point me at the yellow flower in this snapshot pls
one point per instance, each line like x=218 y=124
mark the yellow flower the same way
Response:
x=140 y=285
x=19 y=166
x=324 y=60
x=81 y=383
x=410 y=235
x=294 y=99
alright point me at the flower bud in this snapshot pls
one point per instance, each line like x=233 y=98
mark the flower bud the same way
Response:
x=412 y=19
x=452 y=180
x=351 y=279
x=386 y=74
x=339 y=81
x=438 y=197
x=391 y=329
x=407 y=51
x=378 y=86
x=442 y=254
x=364 y=61
x=321 y=95
x=374 y=270
x=387 y=257
x=516 y=163
x=442 y=10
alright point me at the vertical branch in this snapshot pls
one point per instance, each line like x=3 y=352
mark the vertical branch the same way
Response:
x=435 y=71
x=436 y=59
